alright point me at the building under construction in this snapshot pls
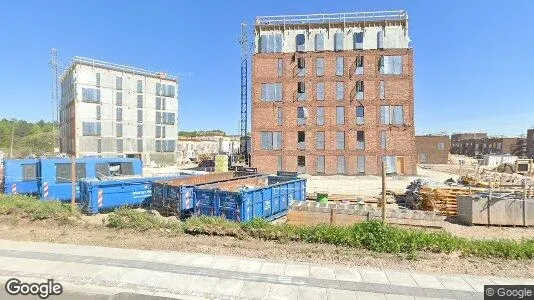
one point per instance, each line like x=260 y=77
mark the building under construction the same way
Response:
x=333 y=94
x=109 y=110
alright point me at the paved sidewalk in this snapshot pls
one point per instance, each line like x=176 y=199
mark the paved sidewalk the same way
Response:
x=110 y=271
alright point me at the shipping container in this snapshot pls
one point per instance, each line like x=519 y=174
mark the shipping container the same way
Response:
x=176 y=197
x=242 y=200
x=98 y=195
x=56 y=174
x=21 y=176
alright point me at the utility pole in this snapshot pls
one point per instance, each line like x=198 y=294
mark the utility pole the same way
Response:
x=54 y=63
x=12 y=138
x=383 y=191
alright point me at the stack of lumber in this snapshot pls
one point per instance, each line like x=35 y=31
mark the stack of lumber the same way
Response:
x=442 y=200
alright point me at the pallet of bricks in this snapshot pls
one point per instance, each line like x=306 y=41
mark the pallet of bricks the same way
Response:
x=442 y=199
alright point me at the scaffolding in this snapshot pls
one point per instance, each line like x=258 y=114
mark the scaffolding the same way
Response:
x=391 y=15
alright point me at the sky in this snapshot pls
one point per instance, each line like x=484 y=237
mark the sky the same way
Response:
x=473 y=59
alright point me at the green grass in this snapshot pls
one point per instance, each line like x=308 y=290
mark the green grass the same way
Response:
x=373 y=236
x=34 y=209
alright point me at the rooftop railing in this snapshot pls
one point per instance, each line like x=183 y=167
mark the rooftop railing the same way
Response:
x=392 y=15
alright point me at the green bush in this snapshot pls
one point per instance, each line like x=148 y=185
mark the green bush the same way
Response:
x=212 y=226
x=27 y=206
x=125 y=217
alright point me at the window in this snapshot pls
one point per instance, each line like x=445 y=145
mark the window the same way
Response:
x=97 y=79
x=301 y=91
x=119 y=146
x=166 y=90
x=390 y=65
x=140 y=145
x=158 y=131
x=271 y=91
x=382 y=90
x=360 y=140
x=119 y=113
x=391 y=163
x=358 y=40
x=359 y=115
x=139 y=115
x=340 y=90
x=270 y=43
x=63 y=172
x=320 y=164
x=359 y=65
x=118 y=129
x=422 y=157
x=139 y=130
x=340 y=63
x=319 y=42
x=158 y=117
x=280 y=67
x=320 y=115
x=383 y=139
x=441 y=146
x=320 y=91
x=279 y=116
x=279 y=163
x=118 y=83
x=158 y=103
x=98 y=113
x=139 y=101
x=301 y=164
x=360 y=164
x=338 y=41
x=271 y=140
x=158 y=89
x=319 y=66
x=301 y=67
x=397 y=116
x=167 y=118
x=341 y=165
x=380 y=40
x=302 y=115
x=301 y=140
x=340 y=140
x=90 y=95
x=118 y=98
x=359 y=90
x=91 y=128
x=29 y=172
x=139 y=86
x=385 y=115
x=340 y=115
x=301 y=42
x=319 y=140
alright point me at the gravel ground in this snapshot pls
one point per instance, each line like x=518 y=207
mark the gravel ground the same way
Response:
x=93 y=233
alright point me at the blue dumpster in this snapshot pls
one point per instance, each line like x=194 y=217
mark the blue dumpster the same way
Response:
x=242 y=200
x=97 y=195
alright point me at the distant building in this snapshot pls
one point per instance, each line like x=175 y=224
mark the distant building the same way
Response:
x=474 y=144
x=110 y=110
x=432 y=149
x=333 y=94
x=459 y=142
x=189 y=148
x=530 y=143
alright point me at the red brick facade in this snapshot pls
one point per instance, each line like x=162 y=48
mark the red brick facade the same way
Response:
x=398 y=91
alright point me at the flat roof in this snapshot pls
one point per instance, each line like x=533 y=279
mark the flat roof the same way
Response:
x=117 y=67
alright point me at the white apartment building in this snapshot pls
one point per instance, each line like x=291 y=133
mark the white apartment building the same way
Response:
x=110 y=110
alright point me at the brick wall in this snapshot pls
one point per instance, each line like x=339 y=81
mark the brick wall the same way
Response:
x=398 y=90
x=428 y=149
x=530 y=143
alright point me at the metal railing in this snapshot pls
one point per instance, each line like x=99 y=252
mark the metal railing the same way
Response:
x=117 y=67
x=391 y=15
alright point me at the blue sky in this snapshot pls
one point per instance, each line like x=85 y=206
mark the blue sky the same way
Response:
x=473 y=59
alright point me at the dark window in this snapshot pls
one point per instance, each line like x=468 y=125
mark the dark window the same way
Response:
x=140 y=101
x=301 y=42
x=118 y=82
x=301 y=161
x=118 y=99
x=139 y=86
x=358 y=40
x=360 y=140
x=29 y=172
x=102 y=170
x=63 y=173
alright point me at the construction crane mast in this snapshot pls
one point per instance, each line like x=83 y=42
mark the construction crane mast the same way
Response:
x=244 y=139
x=54 y=63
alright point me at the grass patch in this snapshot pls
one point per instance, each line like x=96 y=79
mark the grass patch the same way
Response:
x=127 y=218
x=34 y=209
x=373 y=235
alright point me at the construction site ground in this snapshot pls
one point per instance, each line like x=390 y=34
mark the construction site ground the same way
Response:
x=92 y=231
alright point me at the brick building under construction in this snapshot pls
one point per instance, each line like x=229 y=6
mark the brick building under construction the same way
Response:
x=333 y=94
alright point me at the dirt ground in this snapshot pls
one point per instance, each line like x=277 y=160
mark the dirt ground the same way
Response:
x=94 y=233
